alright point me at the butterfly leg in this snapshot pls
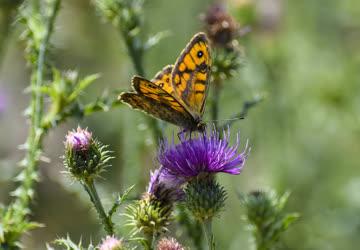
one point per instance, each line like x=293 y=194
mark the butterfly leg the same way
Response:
x=184 y=135
x=181 y=135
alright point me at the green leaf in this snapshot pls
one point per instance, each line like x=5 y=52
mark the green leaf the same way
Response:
x=155 y=39
x=83 y=84
x=289 y=219
x=119 y=200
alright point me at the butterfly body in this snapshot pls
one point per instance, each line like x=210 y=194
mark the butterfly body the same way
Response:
x=177 y=93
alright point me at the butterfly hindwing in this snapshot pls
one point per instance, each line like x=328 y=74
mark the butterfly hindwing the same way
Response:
x=153 y=100
x=163 y=79
x=191 y=73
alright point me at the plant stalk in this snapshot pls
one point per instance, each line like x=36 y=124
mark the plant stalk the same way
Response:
x=150 y=240
x=207 y=227
x=136 y=55
x=215 y=103
x=36 y=132
x=95 y=199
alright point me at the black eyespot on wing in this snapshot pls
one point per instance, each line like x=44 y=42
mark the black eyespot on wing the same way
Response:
x=200 y=54
x=161 y=84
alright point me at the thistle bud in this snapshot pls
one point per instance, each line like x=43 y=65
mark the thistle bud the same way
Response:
x=111 y=243
x=153 y=213
x=84 y=157
x=205 y=197
x=149 y=216
x=266 y=217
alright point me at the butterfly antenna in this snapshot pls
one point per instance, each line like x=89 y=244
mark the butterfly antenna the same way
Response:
x=226 y=120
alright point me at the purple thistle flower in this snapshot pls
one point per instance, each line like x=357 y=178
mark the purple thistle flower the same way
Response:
x=169 y=244
x=79 y=140
x=164 y=188
x=207 y=153
x=111 y=243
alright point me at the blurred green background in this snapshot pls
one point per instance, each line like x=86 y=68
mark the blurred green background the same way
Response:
x=305 y=136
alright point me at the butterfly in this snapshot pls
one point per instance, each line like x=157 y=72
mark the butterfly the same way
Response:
x=177 y=94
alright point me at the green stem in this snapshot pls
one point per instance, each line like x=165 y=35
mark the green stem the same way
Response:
x=215 y=103
x=261 y=243
x=135 y=52
x=24 y=194
x=150 y=241
x=136 y=55
x=207 y=227
x=191 y=226
x=36 y=133
x=95 y=199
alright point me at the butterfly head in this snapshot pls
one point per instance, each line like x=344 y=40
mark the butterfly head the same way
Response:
x=200 y=126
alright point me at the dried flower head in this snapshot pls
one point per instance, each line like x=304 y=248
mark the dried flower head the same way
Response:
x=111 y=243
x=223 y=31
x=169 y=244
x=220 y=26
x=207 y=153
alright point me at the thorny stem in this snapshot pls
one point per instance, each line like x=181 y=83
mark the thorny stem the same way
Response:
x=20 y=206
x=36 y=133
x=94 y=197
x=207 y=227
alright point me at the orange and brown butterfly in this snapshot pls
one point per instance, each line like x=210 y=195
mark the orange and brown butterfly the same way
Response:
x=177 y=94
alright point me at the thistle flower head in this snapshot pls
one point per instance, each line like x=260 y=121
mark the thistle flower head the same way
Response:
x=169 y=244
x=111 y=243
x=207 y=153
x=84 y=157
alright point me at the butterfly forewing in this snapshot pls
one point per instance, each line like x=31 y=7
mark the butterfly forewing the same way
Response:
x=191 y=73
